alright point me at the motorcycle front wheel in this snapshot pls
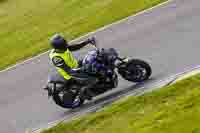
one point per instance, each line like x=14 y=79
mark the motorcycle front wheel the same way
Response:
x=135 y=70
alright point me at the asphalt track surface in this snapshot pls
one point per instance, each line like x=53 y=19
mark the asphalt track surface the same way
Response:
x=167 y=37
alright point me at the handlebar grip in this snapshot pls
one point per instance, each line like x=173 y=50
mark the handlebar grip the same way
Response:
x=93 y=41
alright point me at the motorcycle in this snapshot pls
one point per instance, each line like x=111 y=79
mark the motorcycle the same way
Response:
x=100 y=70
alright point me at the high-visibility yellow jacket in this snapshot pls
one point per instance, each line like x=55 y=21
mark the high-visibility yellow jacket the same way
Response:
x=69 y=60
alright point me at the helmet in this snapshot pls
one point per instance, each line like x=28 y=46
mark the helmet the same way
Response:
x=57 y=41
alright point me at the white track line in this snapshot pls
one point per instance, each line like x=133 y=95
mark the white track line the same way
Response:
x=100 y=29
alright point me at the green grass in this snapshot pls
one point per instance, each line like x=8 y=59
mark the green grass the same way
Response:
x=172 y=109
x=26 y=25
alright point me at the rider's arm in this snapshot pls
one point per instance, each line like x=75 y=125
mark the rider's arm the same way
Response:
x=59 y=62
x=75 y=47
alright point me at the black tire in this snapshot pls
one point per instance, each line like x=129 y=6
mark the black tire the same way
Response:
x=134 y=66
x=57 y=99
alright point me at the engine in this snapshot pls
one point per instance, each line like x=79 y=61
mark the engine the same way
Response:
x=100 y=60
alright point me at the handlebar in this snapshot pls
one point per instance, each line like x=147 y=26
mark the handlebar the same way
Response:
x=94 y=41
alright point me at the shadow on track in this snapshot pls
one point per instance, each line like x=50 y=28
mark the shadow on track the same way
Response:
x=98 y=103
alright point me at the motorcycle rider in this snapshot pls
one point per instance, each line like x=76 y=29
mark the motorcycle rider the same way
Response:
x=62 y=58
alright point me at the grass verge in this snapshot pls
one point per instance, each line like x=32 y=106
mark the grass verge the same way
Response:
x=172 y=109
x=26 y=25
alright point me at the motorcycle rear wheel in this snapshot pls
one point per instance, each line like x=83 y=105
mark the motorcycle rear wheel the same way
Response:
x=68 y=100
